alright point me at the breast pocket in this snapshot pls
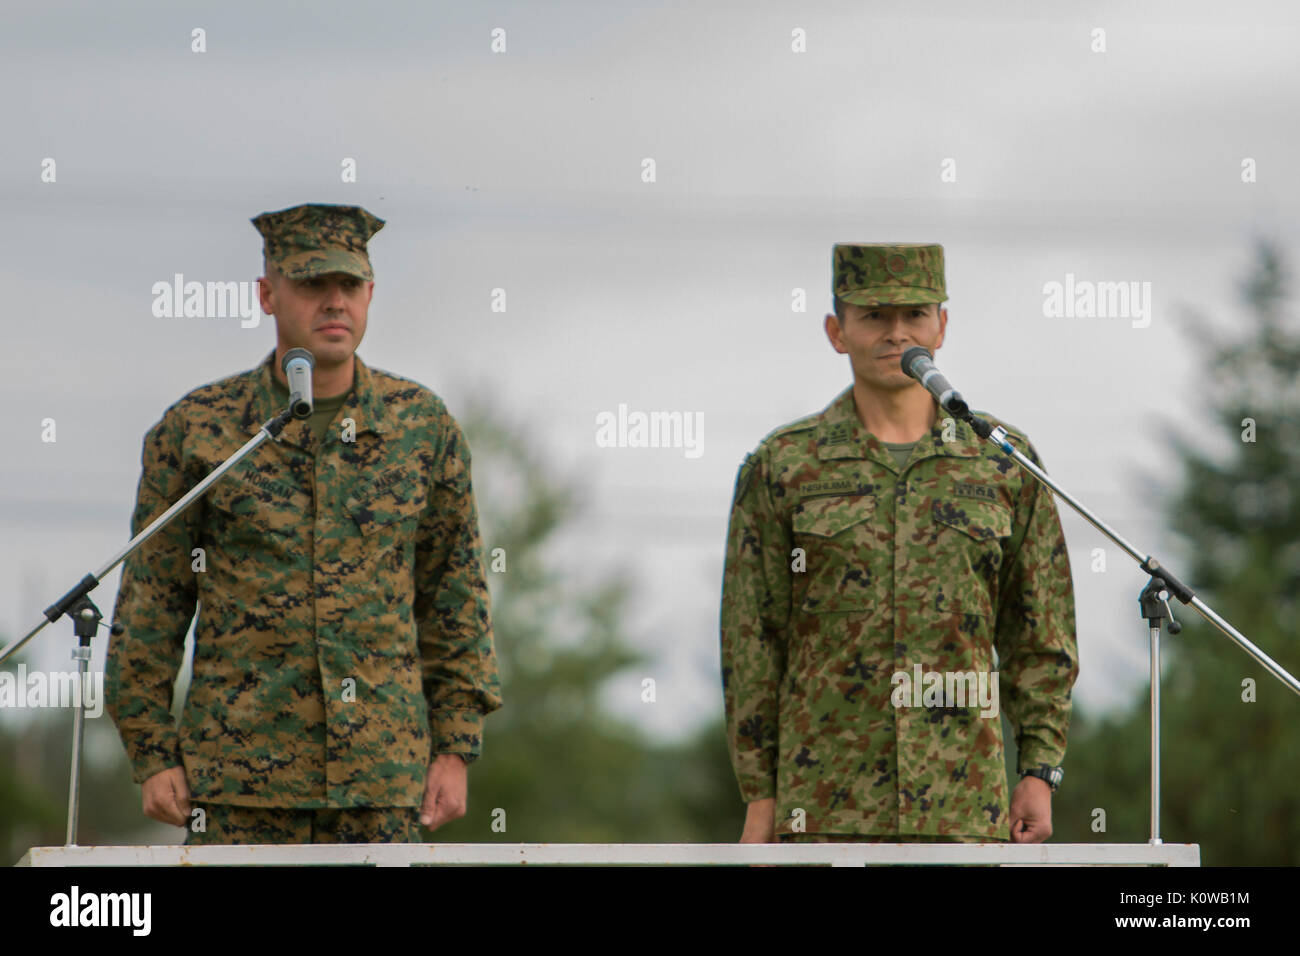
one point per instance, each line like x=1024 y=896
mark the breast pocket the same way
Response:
x=389 y=505
x=244 y=509
x=968 y=546
x=836 y=535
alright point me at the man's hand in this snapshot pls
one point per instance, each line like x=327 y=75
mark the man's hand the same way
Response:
x=1031 y=811
x=445 y=786
x=166 y=797
x=760 y=822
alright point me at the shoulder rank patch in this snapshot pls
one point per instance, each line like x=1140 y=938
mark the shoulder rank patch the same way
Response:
x=839 y=433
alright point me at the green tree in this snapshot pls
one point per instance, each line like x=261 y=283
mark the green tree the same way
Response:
x=1228 y=765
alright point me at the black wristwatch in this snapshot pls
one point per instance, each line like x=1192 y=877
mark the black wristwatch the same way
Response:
x=1052 y=775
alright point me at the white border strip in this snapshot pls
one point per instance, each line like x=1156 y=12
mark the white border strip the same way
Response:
x=623 y=854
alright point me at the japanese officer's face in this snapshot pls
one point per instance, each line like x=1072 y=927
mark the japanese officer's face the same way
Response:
x=875 y=337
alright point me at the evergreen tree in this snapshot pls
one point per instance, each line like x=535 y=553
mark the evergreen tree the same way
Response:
x=1230 y=732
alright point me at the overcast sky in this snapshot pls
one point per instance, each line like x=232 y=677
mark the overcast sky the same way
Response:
x=1003 y=131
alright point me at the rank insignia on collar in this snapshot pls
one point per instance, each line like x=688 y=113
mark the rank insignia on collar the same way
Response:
x=839 y=433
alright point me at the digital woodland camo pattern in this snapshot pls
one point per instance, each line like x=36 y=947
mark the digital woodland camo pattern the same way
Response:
x=315 y=239
x=326 y=563
x=960 y=553
x=276 y=825
x=895 y=274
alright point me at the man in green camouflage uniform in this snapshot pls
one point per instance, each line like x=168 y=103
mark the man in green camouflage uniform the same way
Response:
x=343 y=658
x=875 y=543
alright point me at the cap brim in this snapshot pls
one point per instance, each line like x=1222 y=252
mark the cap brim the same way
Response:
x=893 y=295
x=307 y=265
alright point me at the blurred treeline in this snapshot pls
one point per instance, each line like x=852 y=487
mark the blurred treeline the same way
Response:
x=556 y=761
x=1230 y=765
x=564 y=769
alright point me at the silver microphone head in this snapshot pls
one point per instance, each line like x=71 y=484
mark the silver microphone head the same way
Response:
x=909 y=359
x=297 y=365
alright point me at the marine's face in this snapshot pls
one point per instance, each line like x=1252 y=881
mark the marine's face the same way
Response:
x=325 y=314
x=875 y=338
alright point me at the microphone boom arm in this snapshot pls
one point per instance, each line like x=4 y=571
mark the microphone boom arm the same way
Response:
x=997 y=435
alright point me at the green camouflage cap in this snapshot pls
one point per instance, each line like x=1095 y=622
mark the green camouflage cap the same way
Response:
x=315 y=238
x=894 y=273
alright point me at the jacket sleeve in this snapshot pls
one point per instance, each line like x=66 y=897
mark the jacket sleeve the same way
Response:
x=755 y=616
x=155 y=604
x=453 y=607
x=1036 y=644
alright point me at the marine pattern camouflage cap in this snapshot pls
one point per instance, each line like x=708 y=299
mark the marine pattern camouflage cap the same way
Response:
x=315 y=239
x=888 y=273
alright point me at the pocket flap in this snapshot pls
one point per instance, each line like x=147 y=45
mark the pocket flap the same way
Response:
x=393 y=496
x=268 y=505
x=830 y=516
x=982 y=520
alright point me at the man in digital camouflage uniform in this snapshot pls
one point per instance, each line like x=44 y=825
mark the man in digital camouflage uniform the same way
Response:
x=867 y=540
x=343 y=658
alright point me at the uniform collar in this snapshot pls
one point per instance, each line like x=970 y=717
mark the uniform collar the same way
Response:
x=840 y=434
x=364 y=405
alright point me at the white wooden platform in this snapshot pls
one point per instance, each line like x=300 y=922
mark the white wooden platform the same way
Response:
x=622 y=854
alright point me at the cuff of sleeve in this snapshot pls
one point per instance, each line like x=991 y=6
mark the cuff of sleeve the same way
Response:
x=152 y=753
x=1037 y=756
x=757 y=788
x=457 y=732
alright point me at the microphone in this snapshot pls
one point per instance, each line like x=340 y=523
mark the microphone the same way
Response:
x=297 y=365
x=919 y=364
